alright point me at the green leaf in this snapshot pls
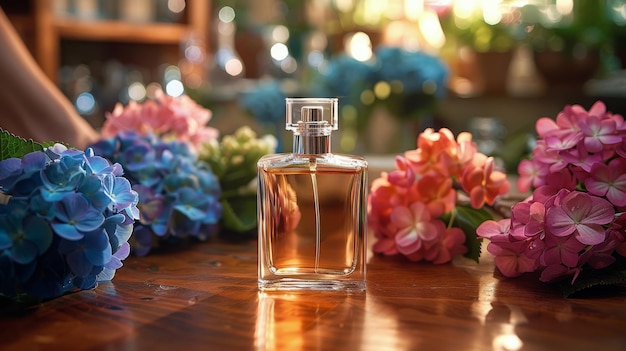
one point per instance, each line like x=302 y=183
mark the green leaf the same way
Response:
x=468 y=219
x=590 y=278
x=239 y=213
x=14 y=146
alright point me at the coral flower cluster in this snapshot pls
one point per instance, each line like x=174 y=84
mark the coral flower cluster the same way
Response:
x=573 y=221
x=413 y=209
x=170 y=118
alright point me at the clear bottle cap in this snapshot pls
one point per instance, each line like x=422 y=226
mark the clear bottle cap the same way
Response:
x=311 y=116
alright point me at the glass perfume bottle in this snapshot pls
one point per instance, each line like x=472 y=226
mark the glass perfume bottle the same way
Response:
x=312 y=207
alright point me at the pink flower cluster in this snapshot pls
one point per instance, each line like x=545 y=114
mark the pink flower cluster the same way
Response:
x=574 y=217
x=405 y=206
x=178 y=118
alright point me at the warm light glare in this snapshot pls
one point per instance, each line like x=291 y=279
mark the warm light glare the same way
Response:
x=226 y=14
x=382 y=90
x=137 y=91
x=431 y=29
x=174 y=88
x=492 y=12
x=176 y=6
x=360 y=46
x=280 y=34
x=344 y=5
x=565 y=7
x=413 y=9
x=279 y=51
x=233 y=67
x=507 y=342
x=465 y=8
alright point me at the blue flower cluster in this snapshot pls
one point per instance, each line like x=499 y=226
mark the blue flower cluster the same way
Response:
x=266 y=103
x=179 y=196
x=415 y=80
x=344 y=77
x=417 y=71
x=65 y=220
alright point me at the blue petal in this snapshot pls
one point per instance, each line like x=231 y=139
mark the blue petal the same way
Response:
x=123 y=232
x=99 y=165
x=10 y=170
x=5 y=241
x=91 y=220
x=142 y=240
x=23 y=251
x=79 y=265
x=66 y=231
x=122 y=252
x=34 y=161
x=54 y=195
x=42 y=207
x=90 y=184
x=37 y=230
x=192 y=213
x=105 y=147
x=97 y=248
x=106 y=275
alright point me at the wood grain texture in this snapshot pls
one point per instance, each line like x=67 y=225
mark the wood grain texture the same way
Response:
x=204 y=297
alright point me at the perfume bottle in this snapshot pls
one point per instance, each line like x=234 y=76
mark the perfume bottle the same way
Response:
x=312 y=207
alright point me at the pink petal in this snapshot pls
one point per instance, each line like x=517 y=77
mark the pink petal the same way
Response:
x=545 y=126
x=592 y=234
x=558 y=222
x=401 y=217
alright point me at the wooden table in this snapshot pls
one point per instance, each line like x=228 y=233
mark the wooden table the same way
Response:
x=204 y=297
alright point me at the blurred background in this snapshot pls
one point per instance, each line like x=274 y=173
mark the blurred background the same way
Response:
x=487 y=66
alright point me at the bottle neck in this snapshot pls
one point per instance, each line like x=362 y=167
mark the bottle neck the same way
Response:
x=311 y=144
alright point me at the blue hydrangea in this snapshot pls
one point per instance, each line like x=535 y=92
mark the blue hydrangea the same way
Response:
x=415 y=79
x=413 y=69
x=179 y=195
x=266 y=103
x=65 y=221
x=344 y=77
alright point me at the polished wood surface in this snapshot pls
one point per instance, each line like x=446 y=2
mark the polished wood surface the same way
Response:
x=204 y=297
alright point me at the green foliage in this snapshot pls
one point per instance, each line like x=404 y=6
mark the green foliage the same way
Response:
x=468 y=219
x=233 y=160
x=14 y=146
x=239 y=214
x=591 y=279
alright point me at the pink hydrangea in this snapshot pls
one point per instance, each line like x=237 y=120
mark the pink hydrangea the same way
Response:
x=406 y=205
x=573 y=219
x=169 y=117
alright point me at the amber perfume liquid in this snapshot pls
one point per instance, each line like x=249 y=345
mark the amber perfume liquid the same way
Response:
x=312 y=225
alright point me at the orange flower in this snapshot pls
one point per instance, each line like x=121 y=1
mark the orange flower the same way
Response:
x=412 y=209
x=482 y=182
x=437 y=193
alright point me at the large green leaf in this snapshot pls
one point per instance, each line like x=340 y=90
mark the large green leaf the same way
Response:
x=14 y=146
x=590 y=278
x=468 y=219
x=239 y=213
